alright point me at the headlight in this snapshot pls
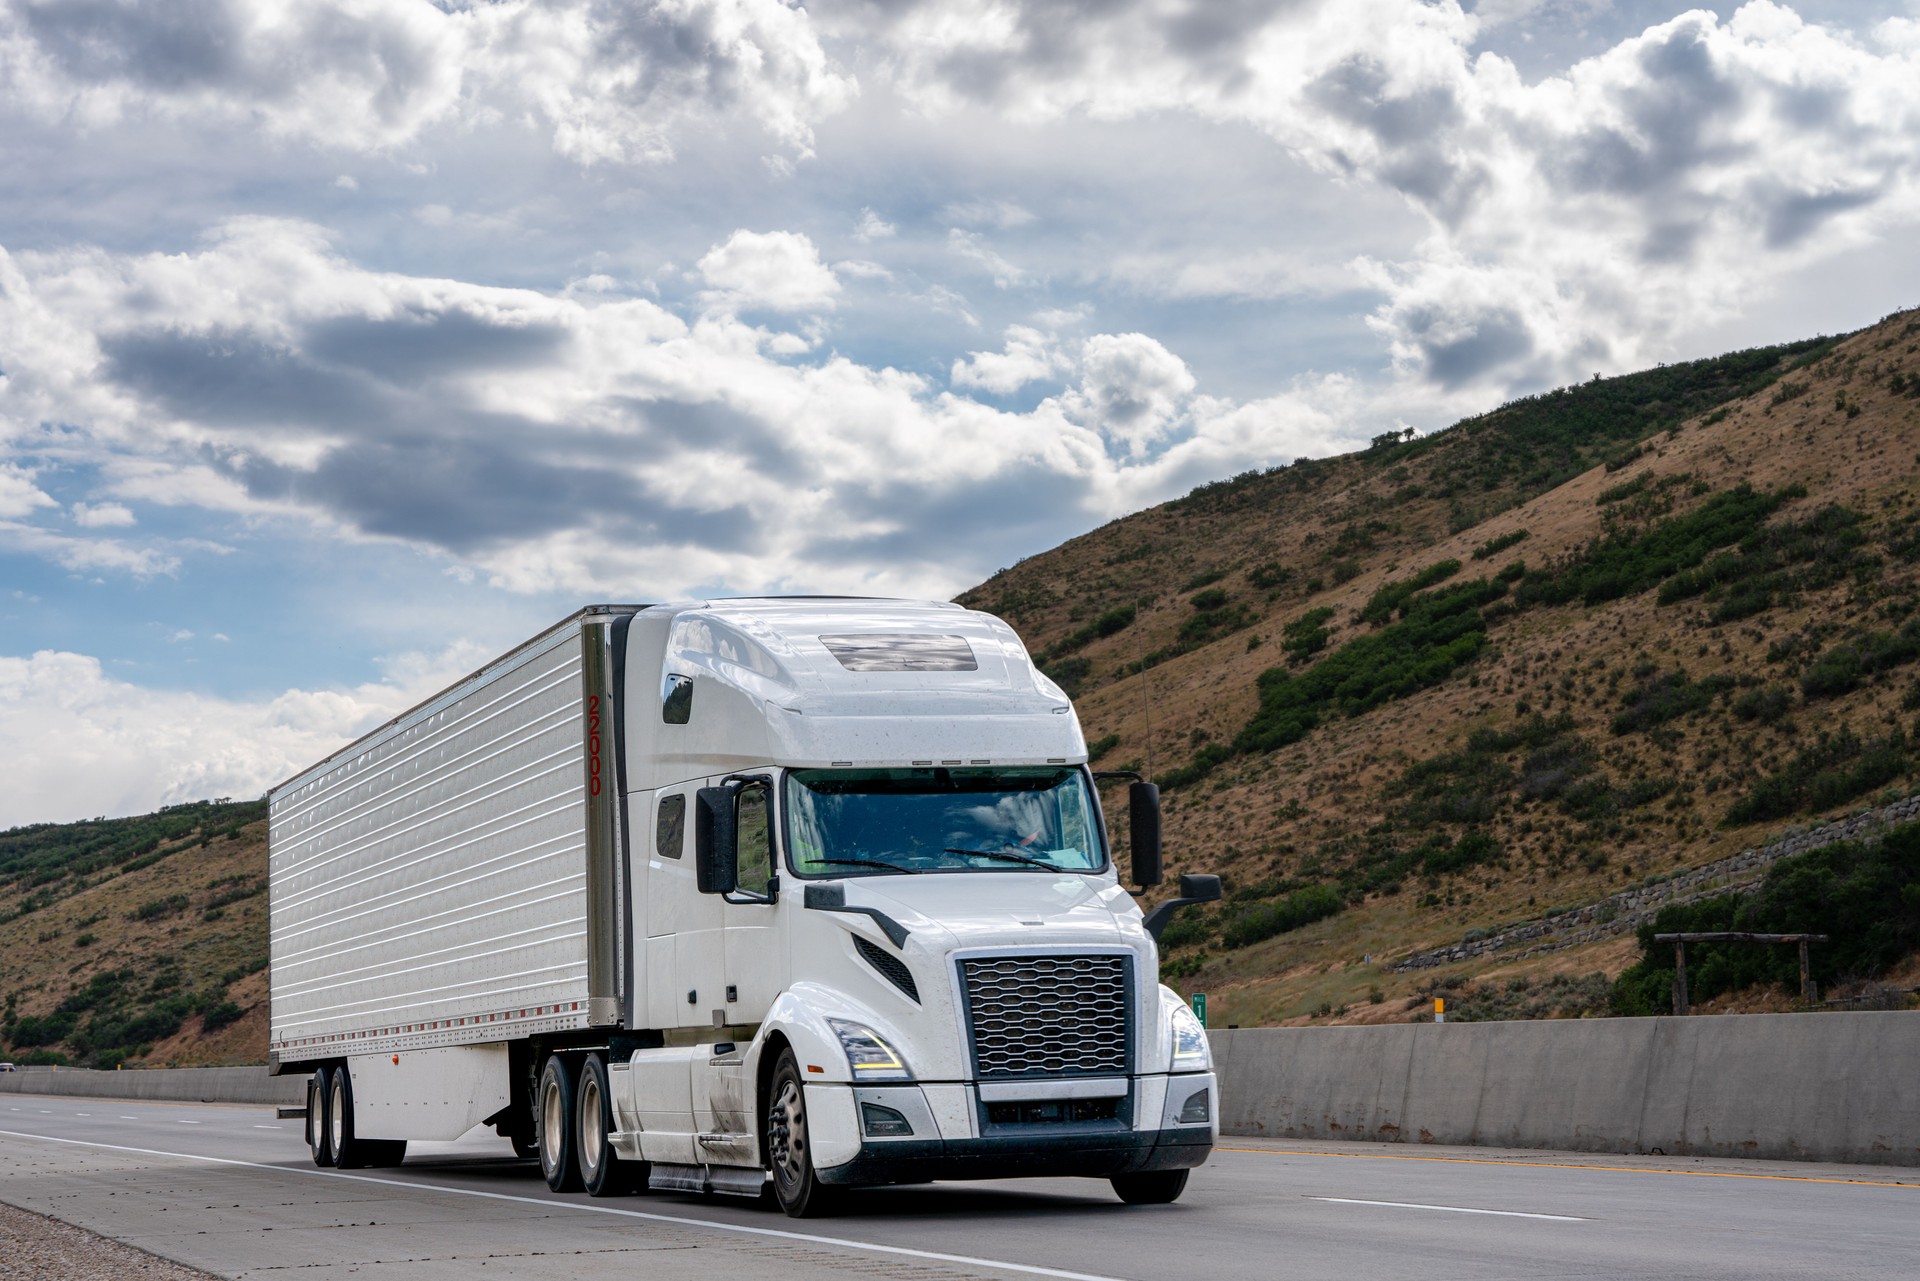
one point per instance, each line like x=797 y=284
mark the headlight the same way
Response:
x=868 y=1053
x=1190 y=1050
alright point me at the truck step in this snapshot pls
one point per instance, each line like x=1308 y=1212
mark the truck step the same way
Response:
x=291 y=1114
x=729 y=1180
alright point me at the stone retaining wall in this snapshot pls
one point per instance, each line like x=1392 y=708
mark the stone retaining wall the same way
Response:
x=1626 y=911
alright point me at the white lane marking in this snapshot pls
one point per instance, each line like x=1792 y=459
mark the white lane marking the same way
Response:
x=129 y=1118
x=847 y=1243
x=178 y=1121
x=83 y=1114
x=1451 y=1209
x=266 y=1127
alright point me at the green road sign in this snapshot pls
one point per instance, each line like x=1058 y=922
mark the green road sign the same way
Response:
x=1200 y=1007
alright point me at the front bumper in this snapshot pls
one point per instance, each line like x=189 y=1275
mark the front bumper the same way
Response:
x=961 y=1144
x=1015 y=1157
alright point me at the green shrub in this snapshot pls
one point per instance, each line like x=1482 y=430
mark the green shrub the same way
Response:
x=1849 y=664
x=1766 y=704
x=1831 y=772
x=1395 y=595
x=1306 y=635
x=1304 y=907
x=1624 y=563
x=1494 y=546
x=1270 y=576
x=1668 y=697
x=1101 y=746
x=1211 y=599
x=219 y=1015
x=1437 y=633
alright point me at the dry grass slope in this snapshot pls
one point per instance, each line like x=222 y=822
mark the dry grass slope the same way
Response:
x=1590 y=736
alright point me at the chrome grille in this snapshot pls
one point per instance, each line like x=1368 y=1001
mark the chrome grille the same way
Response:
x=1047 y=1015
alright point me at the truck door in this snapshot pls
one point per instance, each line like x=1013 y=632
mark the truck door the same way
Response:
x=685 y=950
x=753 y=955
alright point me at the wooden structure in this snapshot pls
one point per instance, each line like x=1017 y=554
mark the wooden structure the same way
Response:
x=1680 y=941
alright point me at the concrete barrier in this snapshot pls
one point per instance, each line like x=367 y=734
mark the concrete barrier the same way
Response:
x=1820 y=1087
x=174 y=1085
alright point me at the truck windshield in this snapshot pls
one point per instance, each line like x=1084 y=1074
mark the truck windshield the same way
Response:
x=880 y=822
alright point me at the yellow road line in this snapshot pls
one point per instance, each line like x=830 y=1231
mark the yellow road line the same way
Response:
x=1570 y=1165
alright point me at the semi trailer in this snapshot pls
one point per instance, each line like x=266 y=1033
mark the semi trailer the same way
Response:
x=773 y=897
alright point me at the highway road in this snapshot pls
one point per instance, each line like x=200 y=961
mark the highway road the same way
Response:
x=229 y=1189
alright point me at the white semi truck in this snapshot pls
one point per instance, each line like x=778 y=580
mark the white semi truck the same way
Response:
x=763 y=896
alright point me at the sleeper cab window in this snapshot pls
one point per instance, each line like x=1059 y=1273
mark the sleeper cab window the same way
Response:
x=670 y=829
x=676 y=699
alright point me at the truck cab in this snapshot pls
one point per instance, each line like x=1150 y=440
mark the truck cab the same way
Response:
x=882 y=920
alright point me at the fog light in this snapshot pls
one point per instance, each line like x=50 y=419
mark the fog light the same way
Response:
x=885 y=1123
x=1195 y=1111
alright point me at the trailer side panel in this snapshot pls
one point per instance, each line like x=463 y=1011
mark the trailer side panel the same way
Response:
x=429 y=886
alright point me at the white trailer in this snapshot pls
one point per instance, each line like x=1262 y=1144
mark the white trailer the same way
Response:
x=779 y=895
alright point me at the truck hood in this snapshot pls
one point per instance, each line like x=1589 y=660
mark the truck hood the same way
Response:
x=998 y=908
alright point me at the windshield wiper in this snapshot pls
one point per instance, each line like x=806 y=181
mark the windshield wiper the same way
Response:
x=864 y=862
x=1008 y=855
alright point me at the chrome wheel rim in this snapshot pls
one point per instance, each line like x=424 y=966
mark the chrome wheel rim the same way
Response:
x=592 y=1136
x=552 y=1125
x=787 y=1134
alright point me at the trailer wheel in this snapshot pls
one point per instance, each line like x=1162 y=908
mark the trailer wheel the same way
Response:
x=1154 y=1187
x=319 y=1118
x=602 y=1170
x=790 y=1146
x=553 y=1119
x=348 y=1152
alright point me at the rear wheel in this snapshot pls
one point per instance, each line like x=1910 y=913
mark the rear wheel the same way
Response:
x=347 y=1154
x=796 y=1186
x=602 y=1171
x=319 y=1118
x=1155 y=1187
x=553 y=1113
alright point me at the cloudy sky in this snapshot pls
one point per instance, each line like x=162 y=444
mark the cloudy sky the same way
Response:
x=345 y=342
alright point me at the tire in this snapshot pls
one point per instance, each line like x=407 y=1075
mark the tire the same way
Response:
x=1155 y=1187
x=602 y=1171
x=349 y=1153
x=796 y=1186
x=553 y=1121
x=320 y=1118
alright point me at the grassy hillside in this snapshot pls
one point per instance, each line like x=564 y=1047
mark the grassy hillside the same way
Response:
x=1449 y=684
x=136 y=939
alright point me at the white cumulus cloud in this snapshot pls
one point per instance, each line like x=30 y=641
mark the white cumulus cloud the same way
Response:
x=775 y=270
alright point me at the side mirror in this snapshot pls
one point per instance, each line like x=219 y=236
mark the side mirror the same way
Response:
x=1143 y=816
x=1194 y=888
x=716 y=854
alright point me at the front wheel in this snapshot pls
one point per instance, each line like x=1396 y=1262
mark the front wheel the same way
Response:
x=1155 y=1187
x=789 y=1145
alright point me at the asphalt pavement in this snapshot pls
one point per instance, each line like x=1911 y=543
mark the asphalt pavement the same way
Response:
x=231 y=1190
